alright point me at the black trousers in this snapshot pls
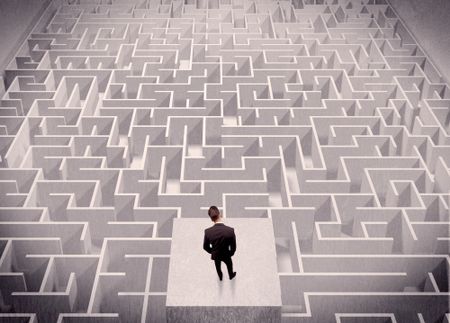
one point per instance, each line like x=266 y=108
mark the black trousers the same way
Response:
x=227 y=262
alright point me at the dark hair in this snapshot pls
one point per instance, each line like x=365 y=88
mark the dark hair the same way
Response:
x=214 y=213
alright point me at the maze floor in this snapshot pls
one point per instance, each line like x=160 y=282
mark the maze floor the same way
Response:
x=325 y=116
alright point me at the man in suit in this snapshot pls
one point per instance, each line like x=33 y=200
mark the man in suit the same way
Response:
x=220 y=242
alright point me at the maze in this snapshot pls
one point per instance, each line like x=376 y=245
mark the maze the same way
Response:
x=325 y=116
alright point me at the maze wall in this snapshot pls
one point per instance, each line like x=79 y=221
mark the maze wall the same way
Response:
x=325 y=116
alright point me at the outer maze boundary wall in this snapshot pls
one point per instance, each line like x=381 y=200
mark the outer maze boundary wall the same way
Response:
x=324 y=116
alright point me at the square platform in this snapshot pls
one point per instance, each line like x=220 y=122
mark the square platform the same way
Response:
x=195 y=293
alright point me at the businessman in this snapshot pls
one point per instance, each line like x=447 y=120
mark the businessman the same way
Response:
x=220 y=242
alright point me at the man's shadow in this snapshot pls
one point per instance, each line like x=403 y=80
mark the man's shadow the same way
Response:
x=233 y=286
x=220 y=283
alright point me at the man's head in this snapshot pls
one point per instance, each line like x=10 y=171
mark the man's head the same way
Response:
x=214 y=213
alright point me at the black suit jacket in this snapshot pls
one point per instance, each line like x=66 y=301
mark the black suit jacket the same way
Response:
x=220 y=241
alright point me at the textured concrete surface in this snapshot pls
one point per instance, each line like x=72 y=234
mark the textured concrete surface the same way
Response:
x=429 y=22
x=230 y=314
x=193 y=282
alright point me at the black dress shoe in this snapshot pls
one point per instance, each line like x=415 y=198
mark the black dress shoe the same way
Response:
x=233 y=275
x=220 y=276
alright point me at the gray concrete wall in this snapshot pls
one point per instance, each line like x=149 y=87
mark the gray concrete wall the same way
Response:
x=429 y=22
x=17 y=18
